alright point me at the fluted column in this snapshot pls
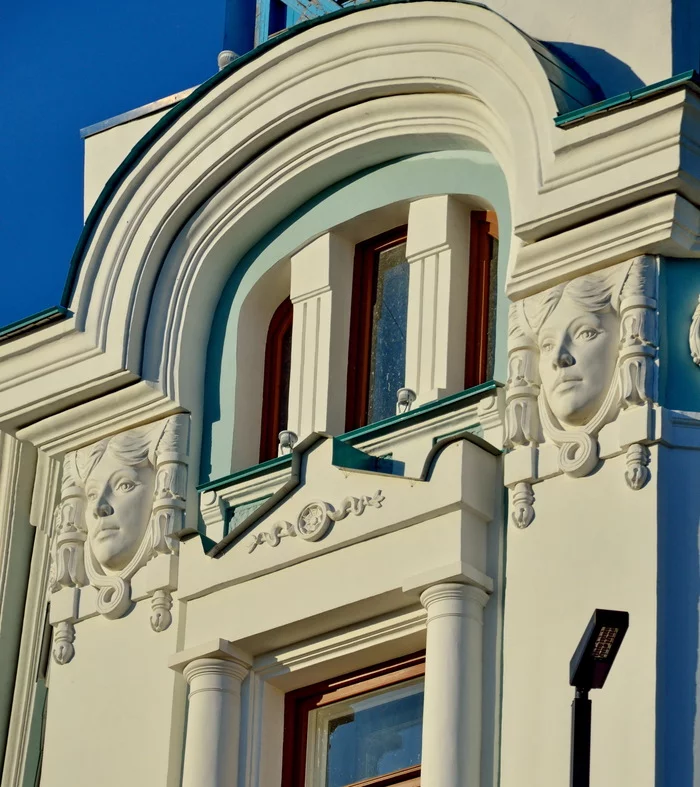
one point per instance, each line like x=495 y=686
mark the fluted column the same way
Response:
x=213 y=721
x=453 y=669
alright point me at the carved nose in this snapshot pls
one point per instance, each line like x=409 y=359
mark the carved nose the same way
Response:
x=563 y=359
x=103 y=508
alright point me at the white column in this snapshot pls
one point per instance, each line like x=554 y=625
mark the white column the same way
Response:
x=321 y=287
x=213 y=722
x=453 y=674
x=438 y=252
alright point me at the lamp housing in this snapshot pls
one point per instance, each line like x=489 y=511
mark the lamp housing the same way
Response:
x=597 y=649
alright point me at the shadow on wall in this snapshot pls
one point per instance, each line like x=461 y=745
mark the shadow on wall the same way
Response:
x=612 y=75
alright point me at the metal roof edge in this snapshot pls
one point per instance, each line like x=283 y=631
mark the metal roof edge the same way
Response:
x=27 y=324
x=135 y=114
x=684 y=79
x=142 y=146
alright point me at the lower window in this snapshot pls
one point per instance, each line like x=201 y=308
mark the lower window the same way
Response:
x=365 y=728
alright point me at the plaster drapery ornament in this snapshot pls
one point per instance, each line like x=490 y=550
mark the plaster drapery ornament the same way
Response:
x=161 y=604
x=314 y=520
x=694 y=336
x=67 y=563
x=523 y=509
x=578 y=354
x=63 y=638
x=637 y=473
x=121 y=499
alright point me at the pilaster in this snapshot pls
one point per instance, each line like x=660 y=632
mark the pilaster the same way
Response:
x=321 y=282
x=438 y=252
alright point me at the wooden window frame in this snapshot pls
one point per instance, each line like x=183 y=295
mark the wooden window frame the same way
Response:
x=298 y=704
x=364 y=293
x=270 y=426
x=483 y=231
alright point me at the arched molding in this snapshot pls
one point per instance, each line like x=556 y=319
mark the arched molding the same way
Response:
x=253 y=128
x=257 y=309
x=266 y=136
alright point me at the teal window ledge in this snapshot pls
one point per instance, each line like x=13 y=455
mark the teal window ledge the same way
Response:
x=371 y=431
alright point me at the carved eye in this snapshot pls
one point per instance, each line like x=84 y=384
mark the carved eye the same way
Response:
x=125 y=486
x=92 y=496
x=547 y=346
x=586 y=334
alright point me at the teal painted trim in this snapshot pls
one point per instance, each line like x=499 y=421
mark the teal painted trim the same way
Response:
x=457 y=172
x=264 y=468
x=420 y=414
x=248 y=507
x=686 y=79
x=26 y=324
x=347 y=456
x=679 y=377
x=144 y=144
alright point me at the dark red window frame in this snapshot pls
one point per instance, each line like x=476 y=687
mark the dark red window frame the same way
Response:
x=364 y=293
x=483 y=234
x=299 y=703
x=271 y=425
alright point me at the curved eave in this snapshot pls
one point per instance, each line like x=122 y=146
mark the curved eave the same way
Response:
x=571 y=91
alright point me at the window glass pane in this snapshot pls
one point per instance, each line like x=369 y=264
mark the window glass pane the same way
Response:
x=388 y=348
x=367 y=736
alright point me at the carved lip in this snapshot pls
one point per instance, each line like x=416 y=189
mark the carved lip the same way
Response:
x=567 y=380
x=104 y=530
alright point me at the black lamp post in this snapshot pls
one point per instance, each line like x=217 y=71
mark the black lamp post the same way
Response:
x=588 y=670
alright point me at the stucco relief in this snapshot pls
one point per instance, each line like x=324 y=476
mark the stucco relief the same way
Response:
x=121 y=499
x=694 y=335
x=315 y=520
x=579 y=353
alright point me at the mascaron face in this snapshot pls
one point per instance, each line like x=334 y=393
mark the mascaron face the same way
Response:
x=119 y=501
x=578 y=354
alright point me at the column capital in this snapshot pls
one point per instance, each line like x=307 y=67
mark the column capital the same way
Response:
x=451 y=598
x=220 y=668
x=218 y=651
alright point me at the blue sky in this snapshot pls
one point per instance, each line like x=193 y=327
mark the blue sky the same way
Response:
x=64 y=66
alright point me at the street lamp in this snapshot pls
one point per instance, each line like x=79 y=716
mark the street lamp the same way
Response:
x=588 y=670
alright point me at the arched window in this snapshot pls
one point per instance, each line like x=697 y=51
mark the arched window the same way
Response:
x=379 y=318
x=278 y=358
x=377 y=350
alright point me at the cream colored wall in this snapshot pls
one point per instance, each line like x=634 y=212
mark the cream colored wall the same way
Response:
x=593 y=544
x=116 y=712
x=105 y=151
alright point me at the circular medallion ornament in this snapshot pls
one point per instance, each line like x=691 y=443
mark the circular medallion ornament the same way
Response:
x=313 y=521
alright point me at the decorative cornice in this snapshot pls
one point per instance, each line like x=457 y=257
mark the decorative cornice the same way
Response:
x=667 y=225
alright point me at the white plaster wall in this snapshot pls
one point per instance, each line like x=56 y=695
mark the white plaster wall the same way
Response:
x=105 y=151
x=622 y=45
x=593 y=544
x=115 y=712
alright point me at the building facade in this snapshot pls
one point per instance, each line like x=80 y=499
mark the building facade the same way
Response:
x=376 y=372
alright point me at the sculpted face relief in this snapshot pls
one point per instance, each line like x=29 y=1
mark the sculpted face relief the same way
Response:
x=578 y=354
x=119 y=500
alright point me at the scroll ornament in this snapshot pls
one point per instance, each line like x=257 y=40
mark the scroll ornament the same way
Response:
x=314 y=520
x=121 y=500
